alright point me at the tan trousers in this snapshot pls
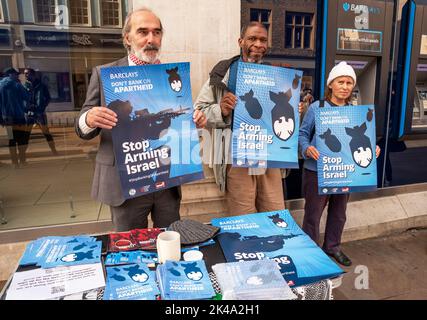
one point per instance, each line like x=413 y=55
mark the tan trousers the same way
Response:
x=253 y=193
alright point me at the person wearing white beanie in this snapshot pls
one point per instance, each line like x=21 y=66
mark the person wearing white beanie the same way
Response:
x=340 y=84
x=340 y=70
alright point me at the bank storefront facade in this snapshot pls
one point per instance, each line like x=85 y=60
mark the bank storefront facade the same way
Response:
x=385 y=41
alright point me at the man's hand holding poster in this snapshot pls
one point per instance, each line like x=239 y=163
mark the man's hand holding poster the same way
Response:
x=156 y=145
x=345 y=139
x=266 y=118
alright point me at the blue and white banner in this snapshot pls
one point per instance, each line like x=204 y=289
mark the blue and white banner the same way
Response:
x=345 y=139
x=276 y=236
x=156 y=144
x=266 y=118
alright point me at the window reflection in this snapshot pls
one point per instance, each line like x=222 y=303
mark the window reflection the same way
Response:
x=45 y=66
x=79 y=12
x=45 y=11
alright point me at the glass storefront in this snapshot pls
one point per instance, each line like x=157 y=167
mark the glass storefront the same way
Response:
x=45 y=169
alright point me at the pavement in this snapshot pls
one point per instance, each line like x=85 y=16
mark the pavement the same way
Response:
x=386 y=268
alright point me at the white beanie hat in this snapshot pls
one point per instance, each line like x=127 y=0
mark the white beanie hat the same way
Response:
x=342 y=69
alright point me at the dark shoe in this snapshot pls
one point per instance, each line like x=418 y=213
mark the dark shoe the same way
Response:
x=341 y=258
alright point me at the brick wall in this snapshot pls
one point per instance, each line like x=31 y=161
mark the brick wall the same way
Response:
x=278 y=9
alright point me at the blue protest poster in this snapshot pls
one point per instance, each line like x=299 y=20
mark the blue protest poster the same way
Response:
x=266 y=118
x=156 y=145
x=275 y=235
x=346 y=141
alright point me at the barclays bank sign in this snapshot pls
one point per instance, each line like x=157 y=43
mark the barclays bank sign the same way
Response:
x=361 y=13
x=357 y=8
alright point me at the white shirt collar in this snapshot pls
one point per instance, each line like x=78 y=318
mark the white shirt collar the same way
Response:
x=131 y=63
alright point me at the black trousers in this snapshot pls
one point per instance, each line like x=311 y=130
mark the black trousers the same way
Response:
x=133 y=213
x=314 y=205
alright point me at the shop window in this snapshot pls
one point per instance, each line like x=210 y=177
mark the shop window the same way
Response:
x=263 y=16
x=45 y=11
x=58 y=84
x=80 y=12
x=111 y=13
x=299 y=30
x=79 y=90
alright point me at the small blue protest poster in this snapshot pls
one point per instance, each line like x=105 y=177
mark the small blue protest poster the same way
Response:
x=266 y=118
x=67 y=254
x=346 y=141
x=156 y=144
x=131 y=282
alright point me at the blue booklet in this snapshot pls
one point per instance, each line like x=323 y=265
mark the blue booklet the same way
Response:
x=36 y=250
x=346 y=141
x=75 y=253
x=129 y=257
x=275 y=235
x=266 y=118
x=184 y=280
x=130 y=282
x=156 y=145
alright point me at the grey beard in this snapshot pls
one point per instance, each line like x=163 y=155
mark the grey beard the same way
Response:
x=254 y=61
x=143 y=57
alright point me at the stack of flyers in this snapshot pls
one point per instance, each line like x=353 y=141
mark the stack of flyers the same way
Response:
x=134 y=239
x=252 y=280
x=72 y=254
x=139 y=256
x=130 y=282
x=37 y=250
x=121 y=241
x=146 y=238
x=184 y=280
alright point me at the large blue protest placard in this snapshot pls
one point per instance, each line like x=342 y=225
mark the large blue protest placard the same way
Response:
x=276 y=236
x=266 y=118
x=345 y=139
x=156 y=144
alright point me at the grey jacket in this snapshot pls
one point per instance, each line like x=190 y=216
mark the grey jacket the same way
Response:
x=217 y=153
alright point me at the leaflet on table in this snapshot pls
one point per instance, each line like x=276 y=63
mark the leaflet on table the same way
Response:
x=156 y=144
x=184 y=280
x=346 y=141
x=275 y=235
x=41 y=284
x=129 y=257
x=93 y=294
x=266 y=117
x=134 y=239
x=37 y=249
x=131 y=282
x=248 y=280
x=72 y=254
